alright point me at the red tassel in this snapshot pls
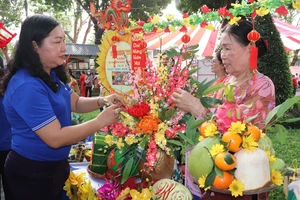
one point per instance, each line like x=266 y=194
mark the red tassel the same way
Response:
x=253 y=57
x=114 y=51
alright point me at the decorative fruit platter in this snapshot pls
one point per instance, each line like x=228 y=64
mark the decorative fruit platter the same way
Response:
x=248 y=192
x=101 y=176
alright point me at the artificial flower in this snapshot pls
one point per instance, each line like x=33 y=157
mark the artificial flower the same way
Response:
x=201 y=182
x=236 y=188
x=296 y=4
x=109 y=190
x=249 y=144
x=123 y=194
x=144 y=195
x=234 y=20
x=237 y=127
x=211 y=130
x=262 y=11
x=276 y=177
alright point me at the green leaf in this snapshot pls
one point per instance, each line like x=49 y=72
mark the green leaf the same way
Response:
x=281 y=133
x=192 y=47
x=210 y=178
x=209 y=102
x=271 y=114
x=186 y=139
x=127 y=170
x=213 y=88
x=291 y=120
x=191 y=131
x=228 y=159
x=197 y=123
x=219 y=172
x=192 y=71
x=287 y=105
x=176 y=142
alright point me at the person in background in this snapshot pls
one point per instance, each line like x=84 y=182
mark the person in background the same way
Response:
x=298 y=77
x=5 y=52
x=82 y=83
x=5 y=132
x=295 y=84
x=89 y=83
x=218 y=68
x=73 y=82
x=251 y=88
x=38 y=103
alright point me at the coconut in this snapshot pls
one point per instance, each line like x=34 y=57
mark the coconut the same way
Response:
x=252 y=169
x=199 y=161
x=278 y=164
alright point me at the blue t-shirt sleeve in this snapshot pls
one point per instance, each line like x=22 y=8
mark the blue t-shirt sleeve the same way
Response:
x=31 y=101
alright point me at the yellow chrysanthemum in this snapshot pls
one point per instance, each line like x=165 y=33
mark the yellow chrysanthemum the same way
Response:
x=237 y=127
x=234 y=20
x=201 y=182
x=249 y=144
x=172 y=28
x=276 y=177
x=210 y=27
x=271 y=157
x=262 y=134
x=216 y=149
x=236 y=188
x=123 y=194
x=186 y=21
x=132 y=139
x=86 y=191
x=211 y=130
x=262 y=11
x=128 y=120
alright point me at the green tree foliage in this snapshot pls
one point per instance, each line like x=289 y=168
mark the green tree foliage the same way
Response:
x=274 y=63
x=10 y=12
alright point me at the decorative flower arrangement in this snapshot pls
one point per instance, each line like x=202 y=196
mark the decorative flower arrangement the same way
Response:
x=151 y=125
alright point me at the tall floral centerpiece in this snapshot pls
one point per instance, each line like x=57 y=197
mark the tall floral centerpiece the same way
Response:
x=149 y=130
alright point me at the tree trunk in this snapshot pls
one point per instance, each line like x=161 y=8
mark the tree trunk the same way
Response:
x=87 y=31
x=295 y=58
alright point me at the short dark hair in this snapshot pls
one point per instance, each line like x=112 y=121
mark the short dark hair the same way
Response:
x=218 y=56
x=240 y=32
x=34 y=28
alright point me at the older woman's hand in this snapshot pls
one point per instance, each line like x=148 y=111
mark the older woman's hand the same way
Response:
x=187 y=102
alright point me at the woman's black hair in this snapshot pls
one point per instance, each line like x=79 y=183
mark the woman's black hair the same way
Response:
x=34 y=28
x=218 y=56
x=240 y=32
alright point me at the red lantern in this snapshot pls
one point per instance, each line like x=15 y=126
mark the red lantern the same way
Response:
x=185 y=38
x=114 y=51
x=253 y=36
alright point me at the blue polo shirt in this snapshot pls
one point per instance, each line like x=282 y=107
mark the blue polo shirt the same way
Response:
x=5 y=129
x=30 y=105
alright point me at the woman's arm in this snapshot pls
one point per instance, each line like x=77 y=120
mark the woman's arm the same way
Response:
x=56 y=136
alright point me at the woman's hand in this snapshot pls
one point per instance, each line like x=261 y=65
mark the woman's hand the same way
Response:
x=115 y=99
x=187 y=102
x=109 y=115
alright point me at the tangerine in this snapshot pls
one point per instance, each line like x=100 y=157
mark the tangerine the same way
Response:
x=223 y=183
x=202 y=128
x=233 y=140
x=222 y=161
x=253 y=131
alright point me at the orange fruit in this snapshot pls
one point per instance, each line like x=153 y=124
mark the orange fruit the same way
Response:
x=222 y=161
x=223 y=183
x=203 y=126
x=233 y=140
x=253 y=131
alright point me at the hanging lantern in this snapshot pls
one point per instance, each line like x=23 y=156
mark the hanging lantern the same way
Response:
x=185 y=38
x=253 y=36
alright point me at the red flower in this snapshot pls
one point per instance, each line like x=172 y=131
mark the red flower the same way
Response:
x=203 y=24
x=223 y=12
x=282 y=10
x=138 y=110
x=205 y=9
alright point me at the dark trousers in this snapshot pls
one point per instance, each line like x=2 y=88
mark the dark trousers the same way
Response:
x=3 y=155
x=35 y=180
x=88 y=90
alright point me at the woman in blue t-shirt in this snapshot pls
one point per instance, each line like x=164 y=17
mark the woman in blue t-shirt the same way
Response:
x=38 y=103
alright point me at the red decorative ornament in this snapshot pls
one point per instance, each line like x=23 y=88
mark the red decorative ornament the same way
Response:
x=143 y=45
x=205 y=9
x=185 y=38
x=4 y=40
x=185 y=15
x=282 y=10
x=253 y=36
x=140 y=23
x=183 y=29
x=115 y=39
x=167 y=30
